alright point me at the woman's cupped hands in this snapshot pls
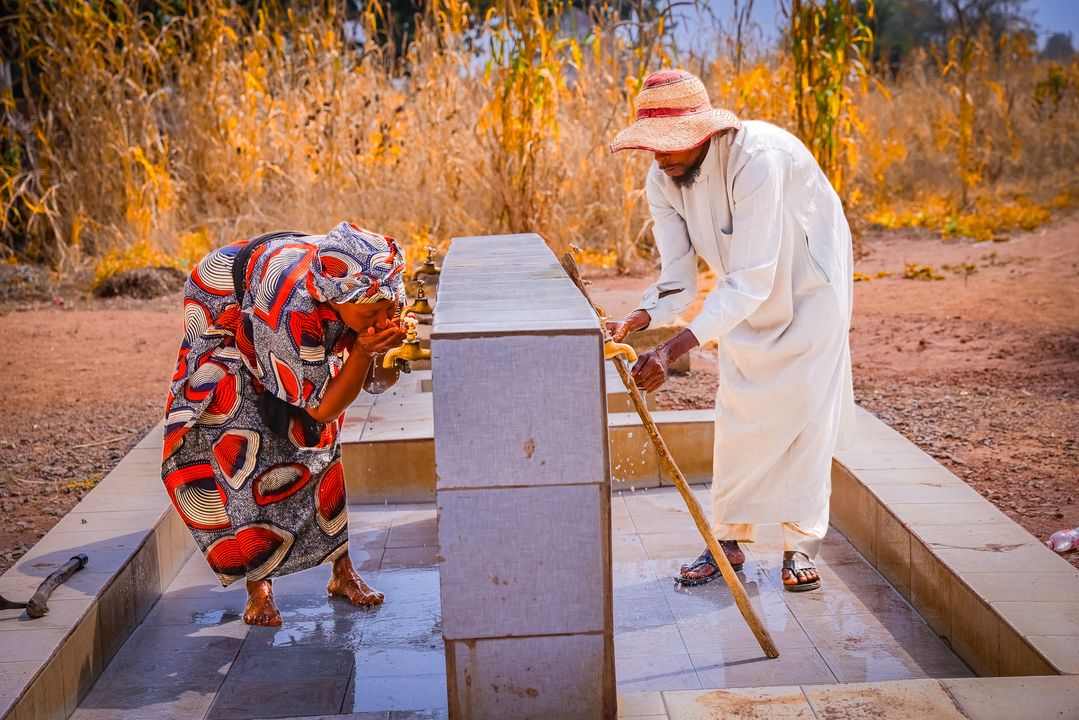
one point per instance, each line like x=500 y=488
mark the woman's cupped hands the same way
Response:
x=383 y=335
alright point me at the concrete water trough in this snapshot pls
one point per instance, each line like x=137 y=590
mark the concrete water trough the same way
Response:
x=934 y=604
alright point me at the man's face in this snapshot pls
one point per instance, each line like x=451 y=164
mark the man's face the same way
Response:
x=684 y=166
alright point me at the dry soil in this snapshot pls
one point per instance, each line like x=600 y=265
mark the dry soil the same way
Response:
x=979 y=368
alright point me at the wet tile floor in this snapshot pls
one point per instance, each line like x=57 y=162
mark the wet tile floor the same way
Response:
x=193 y=657
x=856 y=628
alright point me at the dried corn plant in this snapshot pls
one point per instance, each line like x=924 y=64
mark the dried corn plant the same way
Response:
x=134 y=138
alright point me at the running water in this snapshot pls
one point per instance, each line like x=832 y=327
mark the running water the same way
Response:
x=1063 y=540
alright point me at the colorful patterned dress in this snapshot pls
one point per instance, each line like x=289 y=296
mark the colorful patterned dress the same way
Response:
x=260 y=504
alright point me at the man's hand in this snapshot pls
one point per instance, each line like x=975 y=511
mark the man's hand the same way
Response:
x=385 y=334
x=636 y=320
x=618 y=329
x=650 y=370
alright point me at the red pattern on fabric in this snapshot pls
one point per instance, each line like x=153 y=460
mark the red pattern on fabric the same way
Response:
x=258 y=544
x=245 y=343
x=236 y=455
x=229 y=319
x=197 y=497
x=306 y=330
x=225 y=402
x=330 y=496
x=226 y=558
x=198 y=393
x=252 y=550
x=326 y=439
x=334 y=267
x=292 y=269
x=280 y=482
x=286 y=380
x=181 y=366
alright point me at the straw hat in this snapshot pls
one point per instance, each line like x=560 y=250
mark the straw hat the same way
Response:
x=673 y=114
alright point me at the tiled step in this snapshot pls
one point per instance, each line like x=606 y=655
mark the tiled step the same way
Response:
x=1026 y=698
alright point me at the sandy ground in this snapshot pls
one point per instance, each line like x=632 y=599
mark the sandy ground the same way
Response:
x=980 y=369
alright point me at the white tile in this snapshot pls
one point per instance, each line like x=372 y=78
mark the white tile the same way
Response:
x=524 y=561
x=568 y=676
x=517 y=411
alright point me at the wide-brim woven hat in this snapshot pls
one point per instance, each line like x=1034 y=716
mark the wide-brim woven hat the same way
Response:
x=673 y=114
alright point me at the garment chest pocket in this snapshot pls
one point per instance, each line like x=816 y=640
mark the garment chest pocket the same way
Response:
x=818 y=268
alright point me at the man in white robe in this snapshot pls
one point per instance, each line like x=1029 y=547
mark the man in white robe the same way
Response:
x=751 y=201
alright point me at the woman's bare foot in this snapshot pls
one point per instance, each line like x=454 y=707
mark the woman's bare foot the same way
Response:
x=261 y=609
x=347 y=583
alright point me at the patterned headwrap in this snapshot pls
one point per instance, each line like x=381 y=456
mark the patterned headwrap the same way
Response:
x=356 y=265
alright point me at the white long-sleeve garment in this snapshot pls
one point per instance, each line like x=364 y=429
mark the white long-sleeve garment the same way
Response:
x=764 y=217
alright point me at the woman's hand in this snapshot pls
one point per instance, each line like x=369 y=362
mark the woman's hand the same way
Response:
x=382 y=336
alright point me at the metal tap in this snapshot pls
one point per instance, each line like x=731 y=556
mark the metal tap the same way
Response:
x=422 y=306
x=410 y=349
x=428 y=267
x=610 y=347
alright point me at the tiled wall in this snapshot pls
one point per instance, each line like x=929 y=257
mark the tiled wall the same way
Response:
x=523 y=487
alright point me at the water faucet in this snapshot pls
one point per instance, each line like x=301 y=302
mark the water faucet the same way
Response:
x=410 y=349
x=422 y=306
x=428 y=267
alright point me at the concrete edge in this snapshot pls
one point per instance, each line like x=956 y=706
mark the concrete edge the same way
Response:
x=136 y=545
x=993 y=590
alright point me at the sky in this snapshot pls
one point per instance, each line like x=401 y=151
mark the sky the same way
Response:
x=1049 y=16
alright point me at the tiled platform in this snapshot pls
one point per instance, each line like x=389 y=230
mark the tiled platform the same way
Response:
x=193 y=657
x=856 y=628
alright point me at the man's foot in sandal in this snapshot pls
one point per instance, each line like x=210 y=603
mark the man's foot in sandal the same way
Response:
x=704 y=568
x=799 y=572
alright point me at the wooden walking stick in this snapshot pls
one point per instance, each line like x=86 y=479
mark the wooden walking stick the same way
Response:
x=614 y=351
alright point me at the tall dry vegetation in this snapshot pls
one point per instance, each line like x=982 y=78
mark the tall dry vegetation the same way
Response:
x=140 y=141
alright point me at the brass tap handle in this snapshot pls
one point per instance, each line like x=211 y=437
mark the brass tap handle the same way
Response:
x=421 y=306
x=428 y=267
x=610 y=347
x=410 y=349
x=410 y=331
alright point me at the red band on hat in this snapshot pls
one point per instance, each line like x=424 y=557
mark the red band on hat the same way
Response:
x=671 y=112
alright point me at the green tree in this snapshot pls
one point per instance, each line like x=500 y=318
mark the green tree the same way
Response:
x=1058 y=47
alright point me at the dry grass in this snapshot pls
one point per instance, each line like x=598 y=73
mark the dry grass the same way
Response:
x=147 y=141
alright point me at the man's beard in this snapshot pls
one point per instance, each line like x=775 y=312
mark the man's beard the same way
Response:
x=686 y=179
x=689 y=177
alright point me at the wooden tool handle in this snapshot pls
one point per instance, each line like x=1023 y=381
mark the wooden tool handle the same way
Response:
x=667 y=461
x=39 y=604
x=6 y=604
